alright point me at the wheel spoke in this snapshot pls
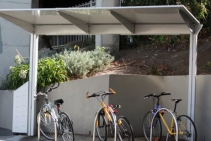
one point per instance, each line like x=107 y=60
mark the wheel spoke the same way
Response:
x=67 y=131
x=125 y=132
x=156 y=130
x=187 y=130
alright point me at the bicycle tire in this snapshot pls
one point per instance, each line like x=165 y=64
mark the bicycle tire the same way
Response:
x=156 y=135
x=101 y=123
x=67 y=131
x=47 y=124
x=189 y=130
x=125 y=130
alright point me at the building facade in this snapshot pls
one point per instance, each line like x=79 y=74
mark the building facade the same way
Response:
x=12 y=38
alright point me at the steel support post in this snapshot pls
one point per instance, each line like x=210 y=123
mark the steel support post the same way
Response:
x=32 y=83
x=193 y=70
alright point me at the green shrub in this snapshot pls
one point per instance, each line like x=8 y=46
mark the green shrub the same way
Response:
x=50 y=70
x=17 y=76
x=81 y=64
x=101 y=59
x=59 y=67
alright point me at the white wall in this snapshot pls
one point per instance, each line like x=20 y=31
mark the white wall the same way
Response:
x=12 y=37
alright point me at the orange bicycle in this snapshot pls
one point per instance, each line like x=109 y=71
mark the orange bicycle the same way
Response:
x=106 y=118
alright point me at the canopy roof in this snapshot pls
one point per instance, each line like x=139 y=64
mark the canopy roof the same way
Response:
x=141 y=20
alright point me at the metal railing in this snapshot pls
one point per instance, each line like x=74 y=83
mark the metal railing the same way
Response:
x=91 y=3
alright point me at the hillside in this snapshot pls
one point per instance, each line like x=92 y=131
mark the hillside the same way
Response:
x=152 y=60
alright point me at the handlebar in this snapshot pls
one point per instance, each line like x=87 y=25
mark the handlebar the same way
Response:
x=157 y=96
x=52 y=88
x=40 y=93
x=101 y=93
x=48 y=90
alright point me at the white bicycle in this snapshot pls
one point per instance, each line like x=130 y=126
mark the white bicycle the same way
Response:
x=53 y=122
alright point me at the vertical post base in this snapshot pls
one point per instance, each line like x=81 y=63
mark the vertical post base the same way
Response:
x=38 y=126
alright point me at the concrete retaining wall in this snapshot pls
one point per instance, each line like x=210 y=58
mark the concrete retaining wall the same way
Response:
x=203 y=107
x=6 y=109
x=130 y=92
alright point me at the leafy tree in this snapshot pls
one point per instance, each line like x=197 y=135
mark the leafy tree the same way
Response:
x=199 y=8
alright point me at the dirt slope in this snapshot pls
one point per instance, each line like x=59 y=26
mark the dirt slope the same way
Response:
x=152 y=60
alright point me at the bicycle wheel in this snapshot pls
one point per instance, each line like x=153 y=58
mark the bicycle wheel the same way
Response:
x=67 y=132
x=47 y=124
x=125 y=130
x=157 y=127
x=187 y=129
x=101 y=127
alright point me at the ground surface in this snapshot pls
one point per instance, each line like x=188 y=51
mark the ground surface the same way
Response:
x=153 y=60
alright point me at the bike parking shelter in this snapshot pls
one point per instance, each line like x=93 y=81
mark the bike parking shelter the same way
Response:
x=137 y=20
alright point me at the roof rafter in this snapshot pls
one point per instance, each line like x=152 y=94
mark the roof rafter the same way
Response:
x=79 y=23
x=23 y=24
x=187 y=20
x=127 y=23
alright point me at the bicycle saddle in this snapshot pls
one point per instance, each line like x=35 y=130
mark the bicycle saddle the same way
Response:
x=58 y=102
x=115 y=106
x=176 y=100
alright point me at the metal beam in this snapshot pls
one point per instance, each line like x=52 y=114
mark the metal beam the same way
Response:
x=79 y=23
x=23 y=24
x=188 y=21
x=127 y=23
x=141 y=29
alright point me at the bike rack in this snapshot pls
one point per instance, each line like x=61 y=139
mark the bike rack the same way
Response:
x=175 y=120
x=38 y=123
x=94 y=129
x=38 y=126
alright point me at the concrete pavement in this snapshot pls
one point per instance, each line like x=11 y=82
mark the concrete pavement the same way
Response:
x=77 y=138
x=7 y=135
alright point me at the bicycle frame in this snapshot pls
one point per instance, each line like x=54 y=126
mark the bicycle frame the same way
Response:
x=112 y=114
x=109 y=112
x=108 y=109
x=171 y=128
x=173 y=118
